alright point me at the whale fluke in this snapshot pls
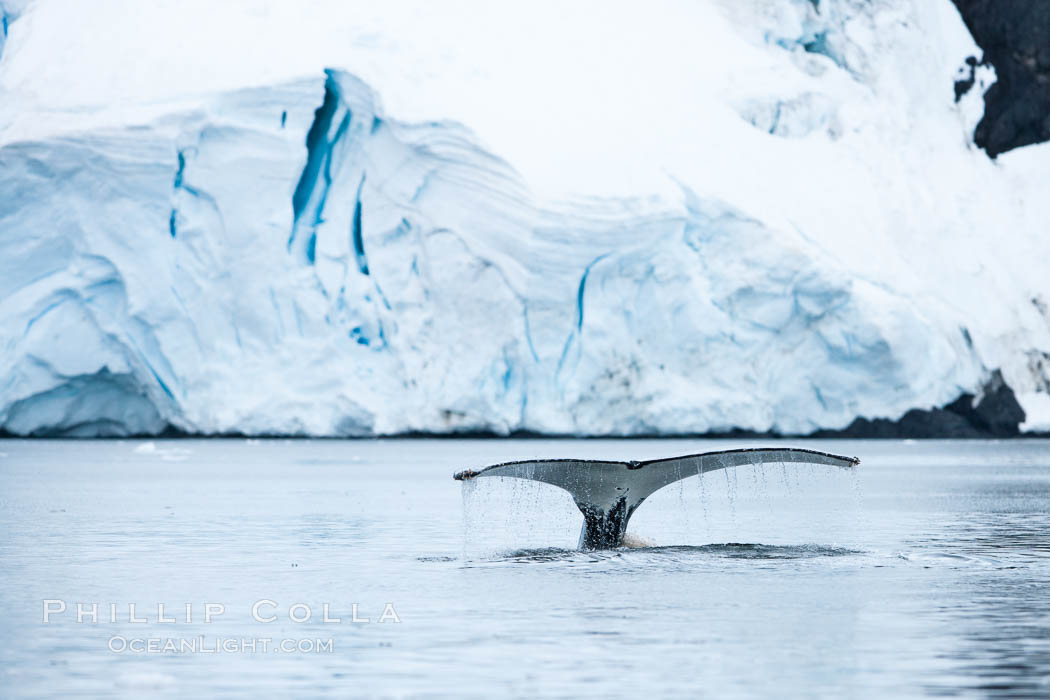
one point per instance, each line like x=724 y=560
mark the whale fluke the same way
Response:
x=608 y=493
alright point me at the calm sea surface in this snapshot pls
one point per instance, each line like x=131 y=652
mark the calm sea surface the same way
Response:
x=926 y=571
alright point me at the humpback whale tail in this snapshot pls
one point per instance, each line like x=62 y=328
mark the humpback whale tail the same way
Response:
x=608 y=493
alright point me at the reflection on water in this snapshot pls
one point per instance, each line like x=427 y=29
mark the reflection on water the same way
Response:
x=1002 y=538
x=926 y=571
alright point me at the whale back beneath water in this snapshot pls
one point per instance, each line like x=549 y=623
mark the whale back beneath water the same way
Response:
x=608 y=493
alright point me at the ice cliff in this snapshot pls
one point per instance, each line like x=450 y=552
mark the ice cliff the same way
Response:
x=585 y=218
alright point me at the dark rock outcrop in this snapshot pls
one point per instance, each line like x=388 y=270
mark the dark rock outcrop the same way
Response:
x=1015 y=38
x=996 y=414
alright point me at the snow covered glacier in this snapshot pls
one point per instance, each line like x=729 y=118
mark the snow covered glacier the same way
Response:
x=594 y=218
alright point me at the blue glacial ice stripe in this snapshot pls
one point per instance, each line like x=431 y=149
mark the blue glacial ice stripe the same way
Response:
x=358 y=232
x=322 y=165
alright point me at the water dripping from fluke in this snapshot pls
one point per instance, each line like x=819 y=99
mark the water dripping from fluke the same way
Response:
x=609 y=492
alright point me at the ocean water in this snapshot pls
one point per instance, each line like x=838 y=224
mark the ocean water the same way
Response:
x=926 y=571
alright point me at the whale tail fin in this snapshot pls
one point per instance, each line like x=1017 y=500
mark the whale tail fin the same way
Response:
x=608 y=493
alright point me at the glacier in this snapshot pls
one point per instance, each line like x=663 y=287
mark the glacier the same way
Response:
x=586 y=219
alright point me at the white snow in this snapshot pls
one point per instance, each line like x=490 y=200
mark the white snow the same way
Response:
x=1037 y=411
x=584 y=217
